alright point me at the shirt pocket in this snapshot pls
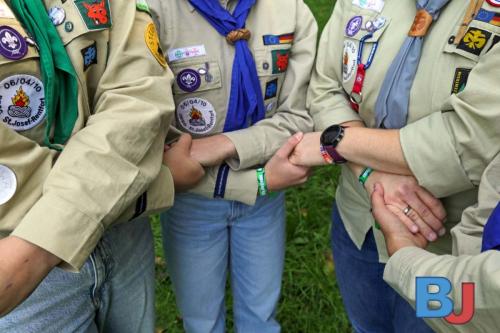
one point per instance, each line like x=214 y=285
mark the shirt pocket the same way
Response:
x=272 y=64
x=196 y=75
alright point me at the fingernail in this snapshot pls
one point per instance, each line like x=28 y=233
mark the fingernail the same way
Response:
x=432 y=236
x=414 y=229
x=442 y=232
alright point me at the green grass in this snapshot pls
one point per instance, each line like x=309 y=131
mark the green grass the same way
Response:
x=310 y=301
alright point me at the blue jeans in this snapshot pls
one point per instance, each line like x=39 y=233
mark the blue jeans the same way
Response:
x=113 y=292
x=371 y=304
x=204 y=239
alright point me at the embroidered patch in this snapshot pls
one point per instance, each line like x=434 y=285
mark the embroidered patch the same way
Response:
x=5 y=11
x=96 y=14
x=22 y=102
x=89 y=55
x=280 y=61
x=8 y=184
x=375 y=5
x=488 y=17
x=196 y=115
x=186 y=52
x=349 y=60
x=474 y=41
x=278 y=39
x=153 y=43
x=271 y=89
x=460 y=80
x=353 y=26
x=189 y=80
x=494 y=3
x=57 y=15
x=142 y=6
x=496 y=39
x=13 y=46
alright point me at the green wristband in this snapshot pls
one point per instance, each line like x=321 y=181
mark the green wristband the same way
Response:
x=364 y=175
x=261 y=181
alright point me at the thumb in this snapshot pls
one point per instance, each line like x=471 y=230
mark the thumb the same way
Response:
x=380 y=211
x=184 y=143
x=290 y=145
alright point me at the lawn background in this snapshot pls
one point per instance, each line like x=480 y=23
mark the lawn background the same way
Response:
x=310 y=301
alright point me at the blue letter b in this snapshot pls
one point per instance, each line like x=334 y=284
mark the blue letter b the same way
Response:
x=423 y=297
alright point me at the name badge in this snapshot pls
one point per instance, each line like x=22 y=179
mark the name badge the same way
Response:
x=375 y=5
x=186 y=52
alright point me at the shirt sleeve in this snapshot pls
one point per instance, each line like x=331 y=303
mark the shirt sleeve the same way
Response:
x=326 y=98
x=256 y=145
x=448 y=151
x=108 y=164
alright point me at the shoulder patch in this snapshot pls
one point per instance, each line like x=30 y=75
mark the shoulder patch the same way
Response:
x=474 y=41
x=95 y=13
x=142 y=6
x=153 y=43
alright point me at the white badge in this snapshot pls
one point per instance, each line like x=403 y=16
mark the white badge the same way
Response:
x=376 y=5
x=5 y=11
x=196 y=115
x=8 y=184
x=22 y=102
x=186 y=52
x=349 y=59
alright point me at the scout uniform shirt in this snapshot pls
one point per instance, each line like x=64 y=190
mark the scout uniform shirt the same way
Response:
x=483 y=270
x=453 y=129
x=64 y=202
x=283 y=42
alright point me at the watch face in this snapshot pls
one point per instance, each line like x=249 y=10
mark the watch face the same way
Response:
x=331 y=136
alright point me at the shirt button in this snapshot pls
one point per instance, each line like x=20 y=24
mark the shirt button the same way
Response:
x=68 y=26
x=265 y=66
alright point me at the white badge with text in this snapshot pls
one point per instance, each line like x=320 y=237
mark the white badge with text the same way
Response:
x=376 y=5
x=8 y=184
x=196 y=115
x=186 y=52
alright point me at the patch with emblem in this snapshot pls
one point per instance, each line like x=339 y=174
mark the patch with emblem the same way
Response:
x=8 y=184
x=377 y=24
x=186 y=52
x=353 y=26
x=153 y=43
x=96 y=14
x=494 y=3
x=496 y=39
x=349 y=60
x=22 y=102
x=57 y=15
x=460 y=80
x=142 y=6
x=5 y=11
x=474 y=41
x=196 y=115
x=280 y=60
x=375 y=5
x=271 y=89
x=13 y=46
x=492 y=18
x=189 y=80
x=278 y=39
x=89 y=55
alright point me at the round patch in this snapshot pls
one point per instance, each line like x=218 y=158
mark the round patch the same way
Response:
x=8 y=184
x=349 y=60
x=196 y=115
x=57 y=15
x=379 y=22
x=353 y=26
x=188 y=80
x=13 y=46
x=494 y=3
x=153 y=43
x=22 y=102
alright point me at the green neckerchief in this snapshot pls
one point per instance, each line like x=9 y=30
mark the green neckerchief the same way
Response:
x=58 y=74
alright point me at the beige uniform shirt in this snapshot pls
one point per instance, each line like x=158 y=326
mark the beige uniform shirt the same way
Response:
x=64 y=202
x=466 y=266
x=283 y=42
x=453 y=129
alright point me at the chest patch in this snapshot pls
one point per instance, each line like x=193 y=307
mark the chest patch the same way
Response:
x=89 y=56
x=349 y=60
x=8 y=184
x=22 y=102
x=13 y=46
x=460 y=80
x=196 y=115
x=280 y=61
x=95 y=14
x=474 y=41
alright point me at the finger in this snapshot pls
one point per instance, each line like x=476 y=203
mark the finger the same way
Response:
x=434 y=204
x=425 y=229
x=420 y=211
x=380 y=212
x=410 y=225
x=289 y=145
x=184 y=143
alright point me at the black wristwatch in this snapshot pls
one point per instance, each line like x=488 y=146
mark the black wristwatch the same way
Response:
x=330 y=138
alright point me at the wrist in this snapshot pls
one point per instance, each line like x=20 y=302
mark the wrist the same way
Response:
x=227 y=146
x=394 y=244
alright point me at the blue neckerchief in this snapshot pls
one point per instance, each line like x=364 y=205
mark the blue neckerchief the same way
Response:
x=245 y=101
x=491 y=233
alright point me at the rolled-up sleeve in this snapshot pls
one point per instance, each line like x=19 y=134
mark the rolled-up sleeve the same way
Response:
x=108 y=164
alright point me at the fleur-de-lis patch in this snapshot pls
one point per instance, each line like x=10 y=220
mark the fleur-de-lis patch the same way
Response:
x=12 y=45
x=474 y=41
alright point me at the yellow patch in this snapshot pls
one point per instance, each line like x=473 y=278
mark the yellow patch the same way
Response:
x=153 y=43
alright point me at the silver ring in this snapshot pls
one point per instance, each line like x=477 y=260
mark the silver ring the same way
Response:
x=407 y=210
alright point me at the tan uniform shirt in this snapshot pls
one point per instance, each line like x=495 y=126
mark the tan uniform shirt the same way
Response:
x=283 y=43
x=453 y=122
x=64 y=202
x=482 y=269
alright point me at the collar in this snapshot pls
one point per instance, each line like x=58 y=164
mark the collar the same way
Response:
x=224 y=3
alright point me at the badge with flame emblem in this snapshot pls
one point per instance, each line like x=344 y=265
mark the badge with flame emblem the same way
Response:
x=196 y=115
x=22 y=102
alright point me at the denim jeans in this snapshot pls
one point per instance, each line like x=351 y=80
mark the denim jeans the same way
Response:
x=371 y=304
x=113 y=292
x=205 y=239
